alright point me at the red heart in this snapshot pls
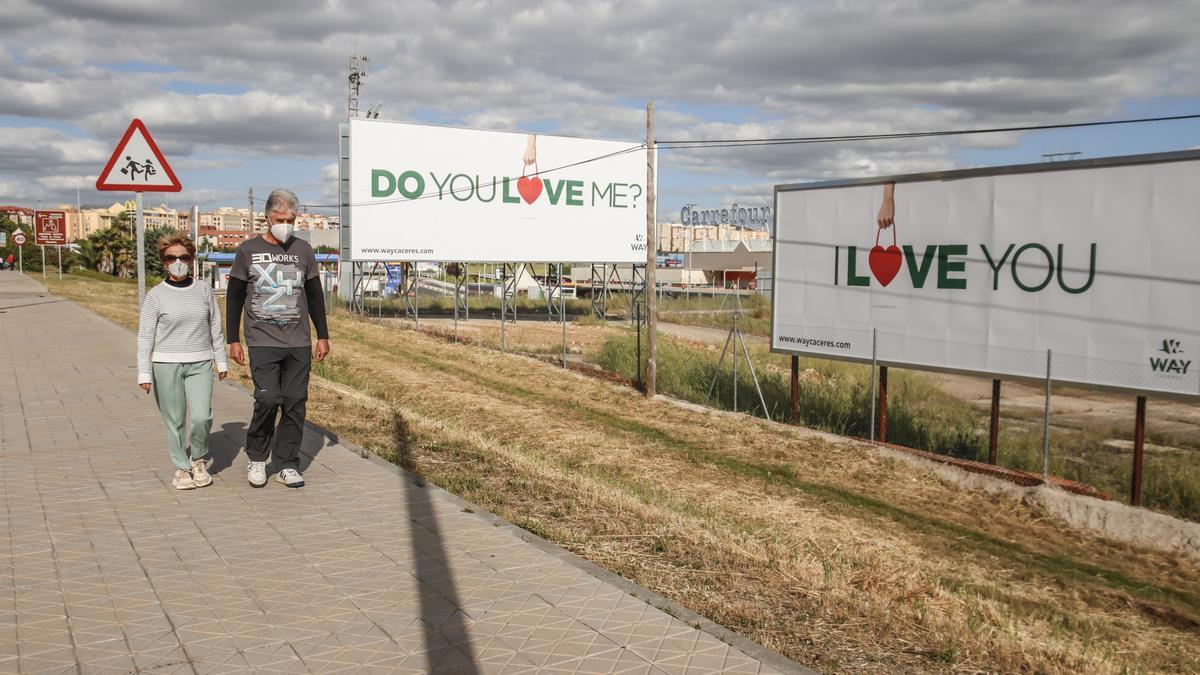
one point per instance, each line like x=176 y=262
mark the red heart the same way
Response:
x=530 y=188
x=885 y=263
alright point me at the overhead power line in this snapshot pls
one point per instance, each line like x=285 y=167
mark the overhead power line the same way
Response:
x=452 y=191
x=796 y=140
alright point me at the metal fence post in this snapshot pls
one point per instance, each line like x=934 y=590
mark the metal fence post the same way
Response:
x=637 y=321
x=1139 y=439
x=795 y=411
x=874 y=344
x=994 y=423
x=1046 y=424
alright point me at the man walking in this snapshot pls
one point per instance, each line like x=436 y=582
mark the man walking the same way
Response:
x=275 y=283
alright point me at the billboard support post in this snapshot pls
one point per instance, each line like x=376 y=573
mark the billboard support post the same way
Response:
x=883 y=372
x=1046 y=423
x=43 y=261
x=994 y=426
x=651 y=259
x=1139 y=438
x=59 y=263
x=795 y=389
x=873 y=383
x=503 y=307
x=562 y=313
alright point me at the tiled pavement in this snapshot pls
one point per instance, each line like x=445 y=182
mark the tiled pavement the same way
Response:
x=105 y=568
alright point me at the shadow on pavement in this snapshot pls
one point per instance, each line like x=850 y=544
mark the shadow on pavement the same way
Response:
x=447 y=641
x=224 y=445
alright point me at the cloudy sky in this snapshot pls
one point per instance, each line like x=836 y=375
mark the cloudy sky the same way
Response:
x=242 y=94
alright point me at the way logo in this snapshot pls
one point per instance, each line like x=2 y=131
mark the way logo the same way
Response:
x=1170 y=365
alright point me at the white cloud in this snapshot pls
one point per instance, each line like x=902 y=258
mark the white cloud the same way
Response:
x=770 y=67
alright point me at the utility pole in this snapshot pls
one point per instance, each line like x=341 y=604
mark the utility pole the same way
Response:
x=250 y=201
x=195 y=232
x=651 y=258
x=348 y=273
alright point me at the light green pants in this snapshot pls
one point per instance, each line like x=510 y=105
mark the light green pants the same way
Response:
x=180 y=388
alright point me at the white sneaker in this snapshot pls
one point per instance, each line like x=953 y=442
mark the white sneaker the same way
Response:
x=200 y=473
x=183 y=480
x=290 y=478
x=256 y=473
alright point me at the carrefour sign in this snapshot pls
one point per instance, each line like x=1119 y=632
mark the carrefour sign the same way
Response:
x=985 y=271
x=444 y=194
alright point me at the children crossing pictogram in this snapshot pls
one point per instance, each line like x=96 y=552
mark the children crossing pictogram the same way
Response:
x=137 y=165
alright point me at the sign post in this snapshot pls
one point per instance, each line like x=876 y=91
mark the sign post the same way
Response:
x=137 y=166
x=50 y=229
x=19 y=240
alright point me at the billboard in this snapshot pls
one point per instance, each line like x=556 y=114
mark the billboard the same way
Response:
x=986 y=270
x=50 y=228
x=429 y=193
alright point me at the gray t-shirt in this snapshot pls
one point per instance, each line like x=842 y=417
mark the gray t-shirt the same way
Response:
x=276 y=313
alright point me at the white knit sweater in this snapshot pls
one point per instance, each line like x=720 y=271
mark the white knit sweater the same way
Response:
x=179 y=325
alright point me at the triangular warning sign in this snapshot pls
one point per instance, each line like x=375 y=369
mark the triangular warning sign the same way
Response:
x=137 y=165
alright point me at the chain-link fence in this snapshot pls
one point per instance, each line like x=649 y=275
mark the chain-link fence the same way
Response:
x=1096 y=443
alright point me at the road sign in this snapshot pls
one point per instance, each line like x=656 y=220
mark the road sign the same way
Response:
x=50 y=228
x=19 y=238
x=137 y=165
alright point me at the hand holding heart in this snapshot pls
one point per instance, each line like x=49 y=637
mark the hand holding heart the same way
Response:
x=887 y=208
x=529 y=187
x=530 y=156
x=885 y=262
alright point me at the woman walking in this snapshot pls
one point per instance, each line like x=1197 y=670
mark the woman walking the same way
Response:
x=179 y=337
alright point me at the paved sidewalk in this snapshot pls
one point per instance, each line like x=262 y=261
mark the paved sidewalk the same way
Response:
x=105 y=568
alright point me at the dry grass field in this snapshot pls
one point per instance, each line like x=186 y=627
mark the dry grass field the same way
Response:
x=815 y=546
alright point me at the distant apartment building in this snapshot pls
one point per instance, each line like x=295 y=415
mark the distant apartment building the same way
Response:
x=226 y=227
x=18 y=214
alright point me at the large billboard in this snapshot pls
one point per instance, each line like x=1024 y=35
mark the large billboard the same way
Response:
x=987 y=270
x=419 y=192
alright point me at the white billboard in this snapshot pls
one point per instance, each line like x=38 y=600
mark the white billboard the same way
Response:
x=429 y=193
x=987 y=270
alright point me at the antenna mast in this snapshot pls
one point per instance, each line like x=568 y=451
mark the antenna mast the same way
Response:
x=358 y=73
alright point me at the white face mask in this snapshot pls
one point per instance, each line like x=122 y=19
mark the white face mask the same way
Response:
x=282 y=231
x=179 y=269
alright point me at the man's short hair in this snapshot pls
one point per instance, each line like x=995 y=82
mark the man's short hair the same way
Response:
x=283 y=200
